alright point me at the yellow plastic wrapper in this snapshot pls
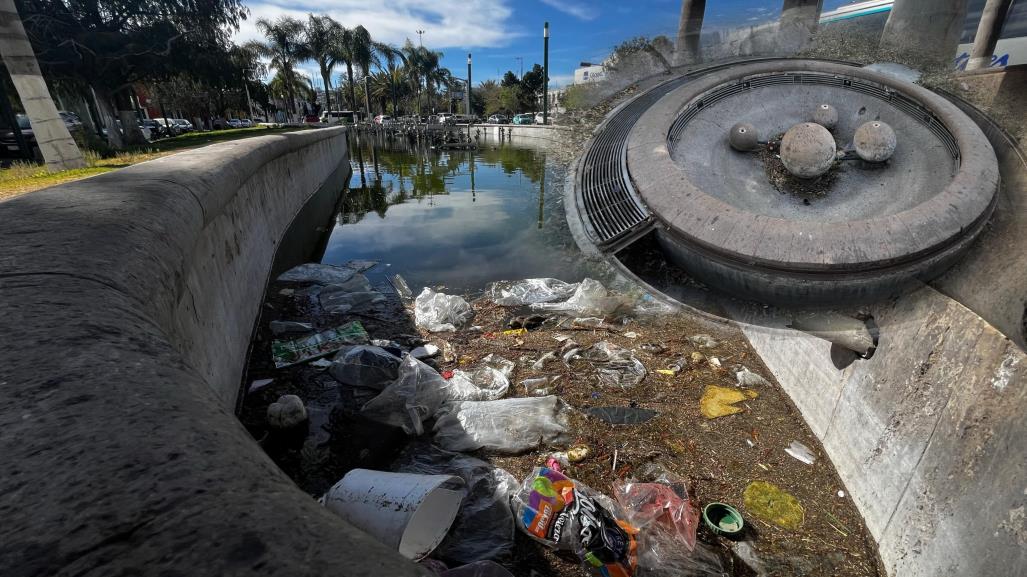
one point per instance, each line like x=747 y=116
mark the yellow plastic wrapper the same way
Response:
x=773 y=504
x=720 y=401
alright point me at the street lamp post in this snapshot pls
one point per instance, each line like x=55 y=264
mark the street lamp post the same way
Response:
x=467 y=93
x=545 y=74
x=419 y=39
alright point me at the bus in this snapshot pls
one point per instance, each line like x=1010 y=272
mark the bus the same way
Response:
x=338 y=117
x=1012 y=43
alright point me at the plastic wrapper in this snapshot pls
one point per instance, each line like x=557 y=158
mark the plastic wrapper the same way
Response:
x=615 y=366
x=531 y=291
x=484 y=527
x=317 y=273
x=366 y=366
x=439 y=312
x=566 y=515
x=294 y=351
x=503 y=365
x=508 y=426
x=590 y=299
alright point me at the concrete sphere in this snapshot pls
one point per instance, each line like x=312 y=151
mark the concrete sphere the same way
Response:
x=875 y=141
x=807 y=150
x=825 y=115
x=743 y=137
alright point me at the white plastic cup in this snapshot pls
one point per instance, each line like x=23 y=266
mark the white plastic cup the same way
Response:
x=408 y=512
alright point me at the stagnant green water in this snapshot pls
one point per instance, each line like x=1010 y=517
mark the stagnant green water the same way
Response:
x=460 y=219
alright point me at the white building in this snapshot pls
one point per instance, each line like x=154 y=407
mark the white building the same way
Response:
x=591 y=73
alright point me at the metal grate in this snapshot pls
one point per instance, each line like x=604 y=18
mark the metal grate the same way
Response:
x=608 y=200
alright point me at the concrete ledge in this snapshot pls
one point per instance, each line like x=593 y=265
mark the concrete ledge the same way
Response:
x=126 y=303
x=927 y=434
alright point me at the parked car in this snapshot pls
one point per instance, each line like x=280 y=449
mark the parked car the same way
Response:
x=9 y=142
x=498 y=119
x=71 y=119
x=383 y=119
x=183 y=124
x=169 y=126
x=311 y=119
x=246 y=123
x=539 y=118
x=526 y=118
x=234 y=123
x=441 y=118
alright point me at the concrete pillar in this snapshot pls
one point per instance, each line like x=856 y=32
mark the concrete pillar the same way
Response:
x=686 y=49
x=927 y=30
x=990 y=26
x=55 y=142
x=797 y=24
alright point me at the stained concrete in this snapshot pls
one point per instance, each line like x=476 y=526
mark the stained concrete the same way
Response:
x=126 y=304
x=927 y=434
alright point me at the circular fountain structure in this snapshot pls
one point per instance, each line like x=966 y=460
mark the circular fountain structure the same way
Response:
x=858 y=187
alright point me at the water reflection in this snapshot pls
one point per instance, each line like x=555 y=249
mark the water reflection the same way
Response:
x=457 y=218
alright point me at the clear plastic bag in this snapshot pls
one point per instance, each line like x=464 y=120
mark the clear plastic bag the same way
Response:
x=415 y=395
x=660 y=555
x=615 y=366
x=508 y=426
x=342 y=302
x=439 y=312
x=479 y=569
x=481 y=384
x=658 y=506
x=316 y=273
x=484 y=527
x=530 y=291
x=590 y=299
x=566 y=515
x=366 y=366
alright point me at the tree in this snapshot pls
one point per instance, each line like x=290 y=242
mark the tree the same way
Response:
x=284 y=47
x=925 y=29
x=531 y=87
x=108 y=45
x=321 y=45
x=687 y=50
x=510 y=79
x=55 y=142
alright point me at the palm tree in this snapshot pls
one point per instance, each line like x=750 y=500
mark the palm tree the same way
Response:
x=284 y=48
x=322 y=46
x=413 y=55
x=390 y=55
x=356 y=48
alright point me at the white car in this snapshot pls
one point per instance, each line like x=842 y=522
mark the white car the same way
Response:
x=234 y=123
x=183 y=124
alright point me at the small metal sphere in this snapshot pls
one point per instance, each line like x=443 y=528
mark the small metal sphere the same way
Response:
x=743 y=137
x=825 y=115
x=807 y=150
x=875 y=141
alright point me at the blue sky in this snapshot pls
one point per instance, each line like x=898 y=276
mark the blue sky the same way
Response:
x=496 y=32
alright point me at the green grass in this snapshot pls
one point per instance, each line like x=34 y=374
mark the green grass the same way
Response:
x=23 y=176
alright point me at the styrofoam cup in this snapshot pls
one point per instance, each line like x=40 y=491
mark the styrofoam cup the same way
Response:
x=408 y=512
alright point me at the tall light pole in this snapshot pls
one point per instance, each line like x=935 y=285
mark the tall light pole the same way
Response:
x=545 y=74
x=467 y=93
x=419 y=39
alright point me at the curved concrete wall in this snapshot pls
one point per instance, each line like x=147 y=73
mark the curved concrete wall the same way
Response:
x=126 y=307
x=928 y=434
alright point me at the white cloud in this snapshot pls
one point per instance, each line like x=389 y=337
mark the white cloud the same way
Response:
x=447 y=23
x=582 y=11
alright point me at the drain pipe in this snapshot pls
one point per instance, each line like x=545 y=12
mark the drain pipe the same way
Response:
x=844 y=331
